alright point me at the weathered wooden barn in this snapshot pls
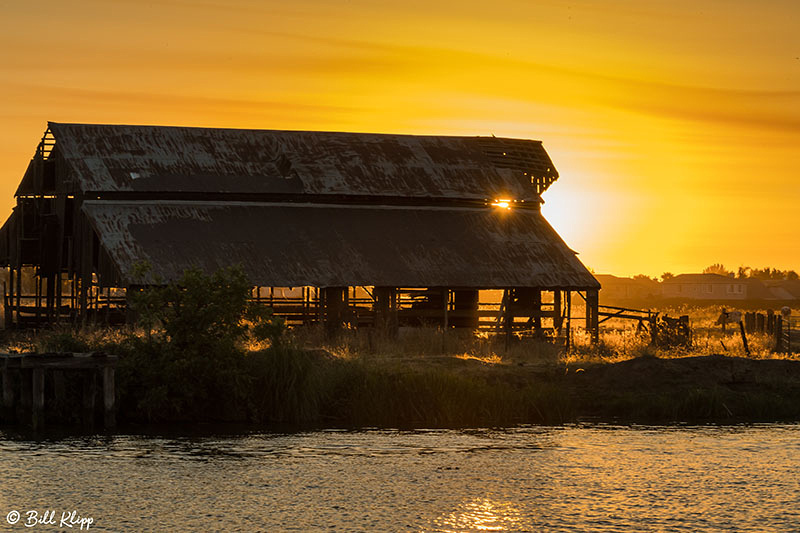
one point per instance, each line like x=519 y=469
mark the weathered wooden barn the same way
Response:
x=330 y=227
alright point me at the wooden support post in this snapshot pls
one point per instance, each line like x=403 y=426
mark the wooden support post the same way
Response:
x=760 y=322
x=568 y=311
x=37 y=387
x=744 y=338
x=37 y=282
x=89 y=393
x=508 y=313
x=19 y=288
x=592 y=317
x=86 y=270
x=558 y=316
x=749 y=322
x=50 y=298
x=536 y=308
x=652 y=323
x=445 y=308
x=335 y=309
x=9 y=300
x=445 y=317
x=58 y=297
x=109 y=398
x=385 y=310
x=466 y=304
x=8 y=393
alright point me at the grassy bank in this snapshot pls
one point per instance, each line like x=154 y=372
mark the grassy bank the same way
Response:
x=203 y=352
x=411 y=382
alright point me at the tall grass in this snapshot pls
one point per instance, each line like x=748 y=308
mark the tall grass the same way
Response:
x=421 y=377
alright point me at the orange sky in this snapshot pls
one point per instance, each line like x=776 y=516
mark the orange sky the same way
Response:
x=675 y=124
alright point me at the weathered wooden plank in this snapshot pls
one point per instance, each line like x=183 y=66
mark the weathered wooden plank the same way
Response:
x=37 y=413
x=109 y=398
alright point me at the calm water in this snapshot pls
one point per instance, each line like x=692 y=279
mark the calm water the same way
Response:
x=526 y=479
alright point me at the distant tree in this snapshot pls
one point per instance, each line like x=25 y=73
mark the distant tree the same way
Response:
x=766 y=273
x=717 y=268
x=643 y=277
x=667 y=275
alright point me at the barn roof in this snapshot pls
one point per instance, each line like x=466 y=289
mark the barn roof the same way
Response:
x=281 y=244
x=116 y=158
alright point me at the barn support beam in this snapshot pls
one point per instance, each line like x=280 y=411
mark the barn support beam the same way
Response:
x=445 y=308
x=568 y=316
x=507 y=312
x=592 y=314
x=385 y=309
x=8 y=302
x=558 y=312
x=536 y=310
x=336 y=309
x=465 y=305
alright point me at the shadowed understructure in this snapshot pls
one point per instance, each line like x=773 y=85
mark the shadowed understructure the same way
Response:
x=339 y=228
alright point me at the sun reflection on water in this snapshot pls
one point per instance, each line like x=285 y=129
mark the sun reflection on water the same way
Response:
x=480 y=514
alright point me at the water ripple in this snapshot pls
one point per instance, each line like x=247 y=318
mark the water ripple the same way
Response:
x=575 y=478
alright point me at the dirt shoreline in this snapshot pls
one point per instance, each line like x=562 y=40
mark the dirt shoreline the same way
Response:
x=692 y=389
x=307 y=390
x=686 y=389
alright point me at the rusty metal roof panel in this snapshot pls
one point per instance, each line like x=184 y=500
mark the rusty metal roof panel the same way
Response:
x=159 y=158
x=328 y=245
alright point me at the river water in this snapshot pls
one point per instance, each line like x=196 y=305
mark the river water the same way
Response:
x=575 y=478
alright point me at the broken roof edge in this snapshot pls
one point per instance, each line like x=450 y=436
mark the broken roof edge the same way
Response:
x=140 y=158
x=58 y=125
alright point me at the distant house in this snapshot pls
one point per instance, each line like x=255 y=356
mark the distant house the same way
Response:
x=713 y=287
x=783 y=290
x=617 y=289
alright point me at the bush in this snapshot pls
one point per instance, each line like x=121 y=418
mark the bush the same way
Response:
x=191 y=362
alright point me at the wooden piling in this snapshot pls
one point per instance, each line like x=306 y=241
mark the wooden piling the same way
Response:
x=59 y=387
x=37 y=387
x=25 y=393
x=89 y=393
x=8 y=393
x=109 y=398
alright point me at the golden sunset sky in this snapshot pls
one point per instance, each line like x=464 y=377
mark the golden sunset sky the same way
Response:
x=675 y=125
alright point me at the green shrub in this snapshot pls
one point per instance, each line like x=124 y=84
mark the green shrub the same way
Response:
x=191 y=364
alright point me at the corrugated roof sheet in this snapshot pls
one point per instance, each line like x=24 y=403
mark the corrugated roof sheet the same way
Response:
x=159 y=158
x=306 y=244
